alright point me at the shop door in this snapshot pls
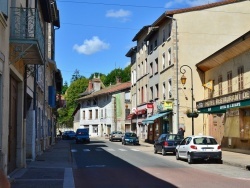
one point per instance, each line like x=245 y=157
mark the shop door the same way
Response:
x=12 y=139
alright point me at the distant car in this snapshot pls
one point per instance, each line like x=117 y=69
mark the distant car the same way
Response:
x=82 y=135
x=199 y=148
x=68 y=135
x=130 y=138
x=115 y=135
x=167 y=143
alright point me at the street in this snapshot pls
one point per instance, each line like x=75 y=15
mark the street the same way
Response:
x=103 y=164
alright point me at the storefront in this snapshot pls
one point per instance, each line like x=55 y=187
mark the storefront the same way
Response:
x=229 y=115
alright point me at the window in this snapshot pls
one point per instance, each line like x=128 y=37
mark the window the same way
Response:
x=163 y=35
x=157 y=90
x=169 y=88
x=139 y=71
x=142 y=94
x=96 y=114
x=90 y=114
x=83 y=115
x=164 y=90
x=101 y=113
x=151 y=48
x=163 y=61
x=169 y=29
x=169 y=57
x=151 y=69
x=155 y=44
x=152 y=92
x=88 y=103
x=142 y=68
x=220 y=85
x=146 y=89
x=240 y=78
x=156 y=65
x=145 y=66
x=229 y=82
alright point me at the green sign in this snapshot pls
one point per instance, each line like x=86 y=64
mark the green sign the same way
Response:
x=222 y=108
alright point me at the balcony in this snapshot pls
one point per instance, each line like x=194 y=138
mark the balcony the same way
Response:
x=26 y=36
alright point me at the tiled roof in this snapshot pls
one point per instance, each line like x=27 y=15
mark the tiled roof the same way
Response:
x=109 y=89
x=201 y=7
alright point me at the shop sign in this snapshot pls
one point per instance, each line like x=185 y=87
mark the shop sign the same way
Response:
x=230 y=98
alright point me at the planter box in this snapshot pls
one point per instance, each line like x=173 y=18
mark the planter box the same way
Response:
x=194 y=115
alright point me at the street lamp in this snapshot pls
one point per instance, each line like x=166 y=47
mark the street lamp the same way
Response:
x=183 y=81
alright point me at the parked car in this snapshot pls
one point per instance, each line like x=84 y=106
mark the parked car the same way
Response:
x=82 y=135
x=115 y=135
x=199 y=148
x=68 y=135
x=130 y=138
x=167 y=143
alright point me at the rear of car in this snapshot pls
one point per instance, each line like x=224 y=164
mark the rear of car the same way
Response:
x=82 y=135
x=68 y=135
x=130 y=138
x=167 y=143
x=116 y=135
x=199 y=148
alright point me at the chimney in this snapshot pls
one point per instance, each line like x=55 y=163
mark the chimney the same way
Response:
x=118 y=80
x=90 y=87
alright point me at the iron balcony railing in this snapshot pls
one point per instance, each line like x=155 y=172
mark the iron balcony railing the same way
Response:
x=26 y=27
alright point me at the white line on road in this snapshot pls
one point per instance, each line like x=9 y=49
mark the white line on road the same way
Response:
x=86 y=150
x=135 y=149
x=73 y=150
x=122 y=150
x=68 y=181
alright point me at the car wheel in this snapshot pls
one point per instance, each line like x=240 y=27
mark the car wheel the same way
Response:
x=219 y=161
x=163 y=152
x=190 y=159
x=124 y=143
x=155 y=150
x=177 y=155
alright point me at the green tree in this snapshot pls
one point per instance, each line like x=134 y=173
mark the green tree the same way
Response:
x=73 y=92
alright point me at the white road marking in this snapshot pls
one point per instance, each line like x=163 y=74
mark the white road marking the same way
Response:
x=109 y=149
x=122 y=150
x=73 y=150
x=135 y=149
x=98 y=149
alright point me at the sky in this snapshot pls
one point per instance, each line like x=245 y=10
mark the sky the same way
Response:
x=94 y=36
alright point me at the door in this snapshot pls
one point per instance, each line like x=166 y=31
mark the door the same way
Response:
x=12 y=139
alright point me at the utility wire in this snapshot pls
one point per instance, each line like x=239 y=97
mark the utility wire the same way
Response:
x=110 y=4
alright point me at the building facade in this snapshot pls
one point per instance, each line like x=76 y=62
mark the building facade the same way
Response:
x=226 y=104
x=30 y=79
x=104 y=109
x=181 y=37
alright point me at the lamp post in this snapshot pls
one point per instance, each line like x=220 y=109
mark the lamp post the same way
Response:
x=183 y=81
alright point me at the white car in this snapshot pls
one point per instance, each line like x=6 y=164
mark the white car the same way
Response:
x=199 y=148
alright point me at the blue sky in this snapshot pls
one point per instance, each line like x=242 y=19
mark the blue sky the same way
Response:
x=96 y=35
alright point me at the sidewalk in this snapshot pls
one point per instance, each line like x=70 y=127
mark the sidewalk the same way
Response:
x=54 y=167
x=51 y=169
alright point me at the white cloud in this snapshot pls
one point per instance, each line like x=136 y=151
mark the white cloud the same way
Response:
x=91 y=46
x=174 y=3
x=124 y=14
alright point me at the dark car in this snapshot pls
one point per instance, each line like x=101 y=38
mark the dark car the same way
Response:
x=167 y=143
x=68 y=135
x=82 y=135
x=130 y=138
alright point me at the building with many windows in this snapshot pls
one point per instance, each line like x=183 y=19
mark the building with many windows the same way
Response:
x=104 y=109
x=179 y=37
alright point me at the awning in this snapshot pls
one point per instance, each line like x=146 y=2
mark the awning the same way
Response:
x=154 y=117
x=130 y=116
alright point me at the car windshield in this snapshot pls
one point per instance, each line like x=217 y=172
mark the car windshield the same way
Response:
x=82 y=133
x=174 y=137
x=130 y=134
x=205 y=141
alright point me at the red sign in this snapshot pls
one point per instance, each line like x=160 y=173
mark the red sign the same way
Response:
x=150 y=105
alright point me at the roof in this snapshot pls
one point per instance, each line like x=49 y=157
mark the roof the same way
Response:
x=144 y=29
x=230 y=51
x=108 y=90
x=202 y=7
x=131 y=51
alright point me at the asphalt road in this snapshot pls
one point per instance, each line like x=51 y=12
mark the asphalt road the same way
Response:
x=110 y=164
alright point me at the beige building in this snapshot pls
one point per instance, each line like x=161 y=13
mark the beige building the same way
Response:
x=28 y=80
x=177 y=38
x=226 y=103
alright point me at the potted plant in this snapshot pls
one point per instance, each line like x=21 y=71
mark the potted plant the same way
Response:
x=191 y=114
